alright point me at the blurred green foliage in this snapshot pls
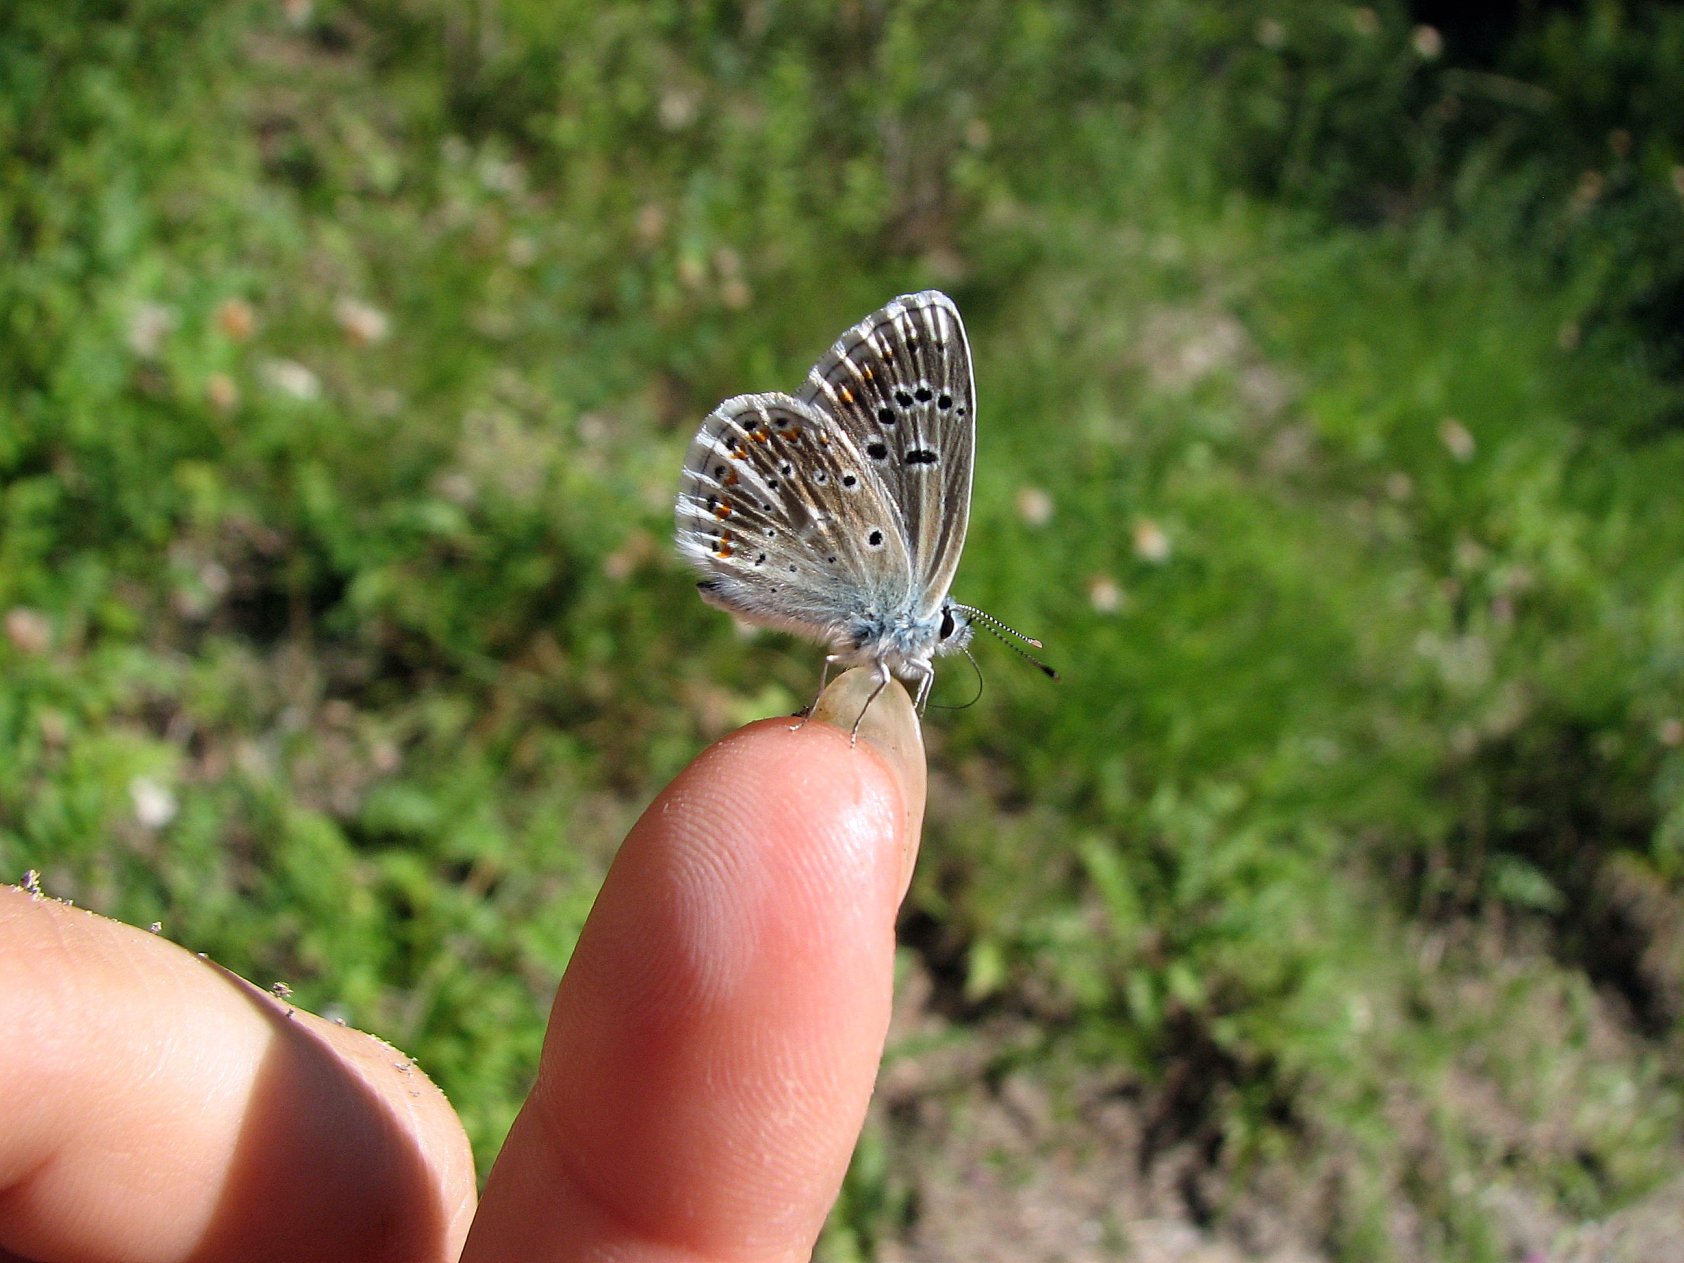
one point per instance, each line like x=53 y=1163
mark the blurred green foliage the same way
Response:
x=1329 y=435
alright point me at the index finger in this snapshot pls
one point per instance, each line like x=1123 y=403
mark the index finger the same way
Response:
x=713 y=1044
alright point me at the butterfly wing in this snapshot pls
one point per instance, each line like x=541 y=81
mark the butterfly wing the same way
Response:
x=899 y=385
x=788 y=522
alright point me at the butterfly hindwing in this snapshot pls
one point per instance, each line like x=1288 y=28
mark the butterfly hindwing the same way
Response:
x=787 y=519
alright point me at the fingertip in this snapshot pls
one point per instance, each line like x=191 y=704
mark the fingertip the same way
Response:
x=885 y=723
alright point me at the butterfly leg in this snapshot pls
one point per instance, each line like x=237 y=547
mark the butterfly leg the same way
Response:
x=924 y=683
x=883 y=678
x=824 y=678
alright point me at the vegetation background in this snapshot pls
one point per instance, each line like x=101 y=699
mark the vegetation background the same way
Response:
x=1329 y=359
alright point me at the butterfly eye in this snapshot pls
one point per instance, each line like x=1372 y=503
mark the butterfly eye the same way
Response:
x=946 y=624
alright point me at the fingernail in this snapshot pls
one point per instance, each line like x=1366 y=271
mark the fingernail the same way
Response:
x=889 y=727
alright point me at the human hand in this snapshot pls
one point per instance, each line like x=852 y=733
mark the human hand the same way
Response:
x=710 y=1054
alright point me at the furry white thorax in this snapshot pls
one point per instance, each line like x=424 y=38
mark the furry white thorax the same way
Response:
x=904 y=645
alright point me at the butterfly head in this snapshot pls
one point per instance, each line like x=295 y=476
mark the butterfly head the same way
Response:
x=954 y=631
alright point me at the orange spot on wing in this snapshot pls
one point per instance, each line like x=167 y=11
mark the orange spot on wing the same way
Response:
x=724 y=510
x=845 y=395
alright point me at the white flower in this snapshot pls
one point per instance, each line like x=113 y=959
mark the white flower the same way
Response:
x=1034 y=506
x=154 y=804
x=361 y=323
x=292 y=378
x=677 y=108
x=150 y=324
x=1150 y=542
x=1458 y=440
x=1104 y=594
x=28 y=630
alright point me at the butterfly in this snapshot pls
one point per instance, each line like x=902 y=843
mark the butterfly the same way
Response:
x=839 y=513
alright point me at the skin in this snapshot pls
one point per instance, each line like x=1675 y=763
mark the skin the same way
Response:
x=710 y=1053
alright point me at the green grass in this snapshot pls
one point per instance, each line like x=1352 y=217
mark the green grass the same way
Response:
x=392 y=619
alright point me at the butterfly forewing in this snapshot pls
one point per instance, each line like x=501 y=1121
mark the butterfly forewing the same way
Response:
x=899 y=385
x=787 y=518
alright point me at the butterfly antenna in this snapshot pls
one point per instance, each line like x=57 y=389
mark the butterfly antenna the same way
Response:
x=996 y=627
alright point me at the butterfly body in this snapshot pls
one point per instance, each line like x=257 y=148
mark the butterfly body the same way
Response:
x=839 y=513
x=894 y=639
